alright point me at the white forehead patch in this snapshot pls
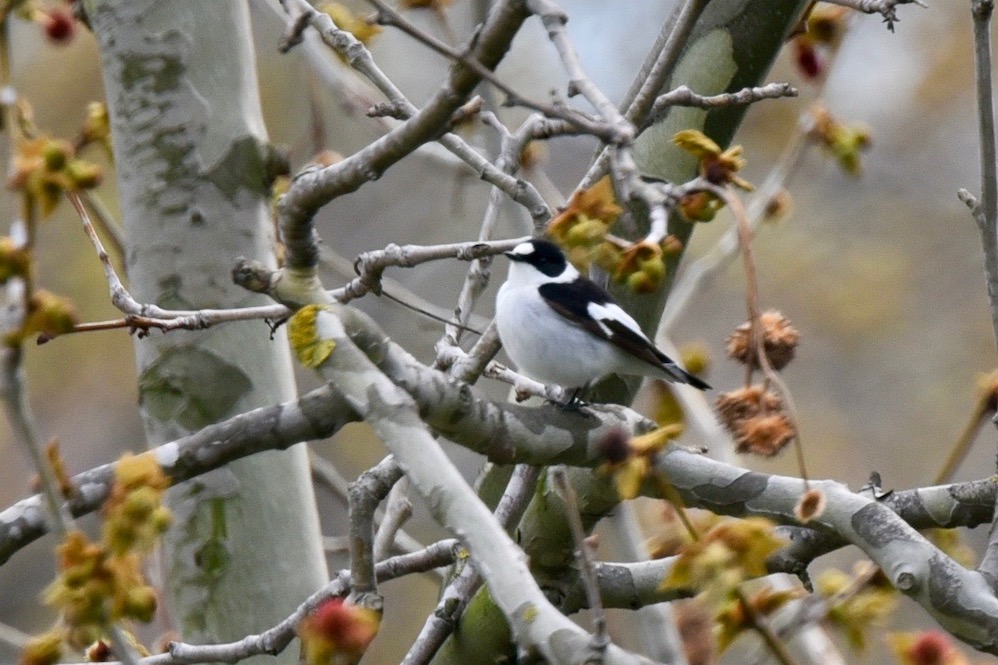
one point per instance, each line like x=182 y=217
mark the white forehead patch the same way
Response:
x=524 y=249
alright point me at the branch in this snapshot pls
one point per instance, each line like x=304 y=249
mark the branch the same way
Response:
x=504 y=433
x=394 y=415
x=584 y=560
x=370 y=266
x=985 y=211
x=477 y=278
x=886 y=8
x=554 y=19
x=654 y=72
x=366 y=494
x=683 y=96
x=586 y=124
x=145 y=317
x=467 y=580
x=360 y=58
x=700 y=272
x=326 y=473
x=397 y=511
x=274 y=640
x=959 y=600
x=312 y=189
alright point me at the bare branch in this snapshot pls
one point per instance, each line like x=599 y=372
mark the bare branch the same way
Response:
x=683 y=96
x=479 y=273
x=388 y=16
x=886 y=8
x=452 y=502
x=312 y=189
x=397 y=511
x=587 y=567
x=366 y=494
x=652 y=76
x=455 y=597
x=554 y=20
x=985 y=210
x=370 y=265
x=274 y=640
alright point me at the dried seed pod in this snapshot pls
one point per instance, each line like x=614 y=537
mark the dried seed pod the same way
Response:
x=779 y=337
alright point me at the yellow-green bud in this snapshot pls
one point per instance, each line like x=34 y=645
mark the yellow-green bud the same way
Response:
x=45 y=649
x=161 y=519
x=84 y=174
x=56 y=153
x=140 y=603
x=96 y=126
x=141 y=503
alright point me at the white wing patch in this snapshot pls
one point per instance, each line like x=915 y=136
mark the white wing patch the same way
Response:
x=613 y=311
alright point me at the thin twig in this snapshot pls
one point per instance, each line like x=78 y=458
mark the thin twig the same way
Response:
x=396 y=292
x=22 y=422
x=683 y=96
x=122 y=647
x=886 y=8
x=966 y=439
x=479 y=272
x=274 y=640
x=554 y=19
x=361 y=59
x=985 y=211
x=13 y=637
x=150 y=316
x=602 y=130
x=761 y=626
x=652 y=76
x=524 y=387
x=370 y=266
x=106 y=220
x=752 y=302
x=700 y=272
x=584 y=558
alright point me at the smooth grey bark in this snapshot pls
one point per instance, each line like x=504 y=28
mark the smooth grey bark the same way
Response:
x=191 y=156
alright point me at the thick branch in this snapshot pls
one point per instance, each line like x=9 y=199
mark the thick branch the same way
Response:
x=505 y=433
x=393 y=413
x=960 y=600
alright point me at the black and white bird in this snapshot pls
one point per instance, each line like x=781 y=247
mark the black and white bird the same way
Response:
x=560 y=327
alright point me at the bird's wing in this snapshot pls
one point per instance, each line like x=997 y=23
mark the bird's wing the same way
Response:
x=589 y=306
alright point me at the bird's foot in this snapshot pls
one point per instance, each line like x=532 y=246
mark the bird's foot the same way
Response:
x=575 y=403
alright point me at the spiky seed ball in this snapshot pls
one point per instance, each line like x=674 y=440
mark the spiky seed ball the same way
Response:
x=780 y=340
x=765 y=435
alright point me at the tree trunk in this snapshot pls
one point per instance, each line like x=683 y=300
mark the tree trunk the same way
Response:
x=191 y=157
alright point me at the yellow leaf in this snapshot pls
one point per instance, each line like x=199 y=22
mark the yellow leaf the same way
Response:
x=696 y=143
x=311 y=350
x=345 y=19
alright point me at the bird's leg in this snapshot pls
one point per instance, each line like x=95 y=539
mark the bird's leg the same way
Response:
x=575 y=402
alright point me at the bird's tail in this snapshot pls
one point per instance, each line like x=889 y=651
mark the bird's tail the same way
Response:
x=680 y=375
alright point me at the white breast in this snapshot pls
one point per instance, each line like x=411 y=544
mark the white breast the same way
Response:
x=544 y=346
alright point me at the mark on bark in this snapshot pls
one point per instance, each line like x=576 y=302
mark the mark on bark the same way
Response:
x=192 y=387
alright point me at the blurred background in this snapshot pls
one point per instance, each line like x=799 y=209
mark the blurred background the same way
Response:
x=882 y=273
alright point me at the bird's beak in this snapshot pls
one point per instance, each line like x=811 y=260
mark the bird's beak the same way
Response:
x=513 y=256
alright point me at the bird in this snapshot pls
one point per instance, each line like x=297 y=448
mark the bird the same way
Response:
x=559 y=327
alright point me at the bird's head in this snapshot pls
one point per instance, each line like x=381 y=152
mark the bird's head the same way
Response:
x=540 y=261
